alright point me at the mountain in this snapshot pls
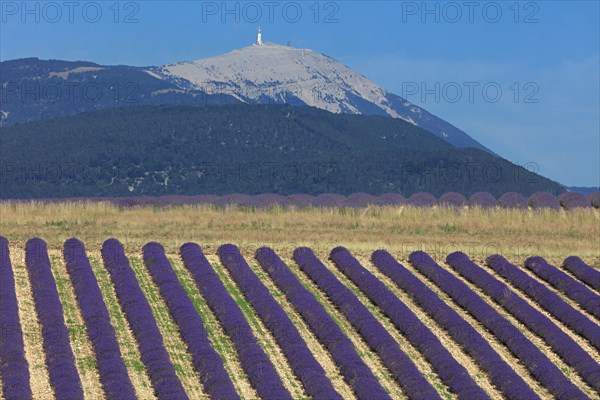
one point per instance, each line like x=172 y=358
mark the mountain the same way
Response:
x=221 y=149
x=34 y=89
x=271 y=73
x=585 y=190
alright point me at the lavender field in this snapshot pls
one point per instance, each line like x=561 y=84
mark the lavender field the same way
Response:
x=299 y=200
x=111 y=322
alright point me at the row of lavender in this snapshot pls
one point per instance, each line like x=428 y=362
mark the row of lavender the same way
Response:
x=14 y=369
x=568 y=201
x=577 y=281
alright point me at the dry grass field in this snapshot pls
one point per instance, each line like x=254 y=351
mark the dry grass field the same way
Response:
x=516 y=234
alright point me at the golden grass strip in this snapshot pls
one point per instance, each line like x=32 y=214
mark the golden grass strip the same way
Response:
x=514 y=233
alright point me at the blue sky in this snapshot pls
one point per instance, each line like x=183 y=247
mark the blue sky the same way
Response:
x=523 y=78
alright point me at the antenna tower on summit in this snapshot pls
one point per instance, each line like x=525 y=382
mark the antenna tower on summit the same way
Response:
x=259 y=41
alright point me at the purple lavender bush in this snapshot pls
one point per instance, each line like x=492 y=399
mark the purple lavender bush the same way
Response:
x=360 y=200
x=329 y=200
x=512 y=200
x=301 y=200
x=595 y=199
x=130 y=202
x=452 y=200
x=234 y=199
x=540 y=200
x=205 y=199
x=392 y=199
x=267 y=200
x=422 y=199
x=483 y=200
x=188 y=200
x=572 y=200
